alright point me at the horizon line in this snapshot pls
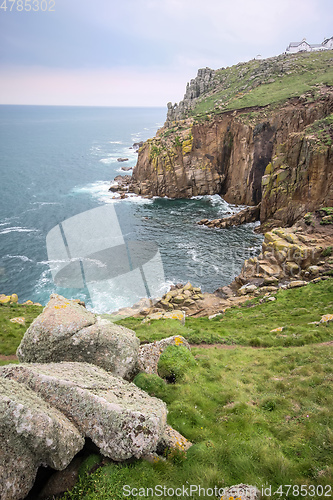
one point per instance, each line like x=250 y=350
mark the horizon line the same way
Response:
x=83 y=105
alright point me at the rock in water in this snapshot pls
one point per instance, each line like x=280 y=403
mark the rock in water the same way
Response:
x=121 y=419
x=66 y=331
x=32 y=433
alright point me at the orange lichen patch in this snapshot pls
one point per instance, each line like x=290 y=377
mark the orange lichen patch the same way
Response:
x=326 y=318
x=61 y=306
x=279 y=329
x=178 y=341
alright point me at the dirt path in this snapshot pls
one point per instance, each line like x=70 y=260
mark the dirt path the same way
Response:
x=8 y=358
x=234 y=346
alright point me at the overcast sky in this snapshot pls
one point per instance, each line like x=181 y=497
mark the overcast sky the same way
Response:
x=140 y=52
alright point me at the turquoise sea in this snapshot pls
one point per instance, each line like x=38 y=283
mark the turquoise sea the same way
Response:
x=57 y=162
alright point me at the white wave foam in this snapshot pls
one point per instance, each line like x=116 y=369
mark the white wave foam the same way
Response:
x=24 y=258
x=134 y=198
x=109 y=160
x=18 y=230
x=42 y=203
x=100 y=191
x=73 y=259
x=115 y=142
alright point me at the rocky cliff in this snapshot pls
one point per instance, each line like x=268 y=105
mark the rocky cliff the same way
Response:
x=197 y=87
x=278 y=153
x=230 y=154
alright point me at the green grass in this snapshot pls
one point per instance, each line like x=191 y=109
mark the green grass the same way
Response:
x=11 y=333
x=258 y=417
x=255 y=416
x=267 y=82
x=251 y=324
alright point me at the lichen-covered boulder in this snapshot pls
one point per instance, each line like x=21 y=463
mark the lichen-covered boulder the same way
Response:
x=172 y=440
x=121 y=419
x=32 y=433
x=241 y=492
x=149 y=354
x=66 y=331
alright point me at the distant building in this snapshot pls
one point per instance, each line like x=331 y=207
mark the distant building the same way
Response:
x=328 y=43
x=304 y=46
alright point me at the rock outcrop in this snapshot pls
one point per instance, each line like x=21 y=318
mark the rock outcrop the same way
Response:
x=32 y=433
x=301 y=252
x=48 y=409
x=249 y=214
x=229 y=153
x=66 y=331
x=203 y=82
x=122 y=420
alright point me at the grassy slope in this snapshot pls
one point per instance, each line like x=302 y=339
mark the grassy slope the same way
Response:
x=252 y=323
x=267 y=82
x=258 y=416
x=12 y=333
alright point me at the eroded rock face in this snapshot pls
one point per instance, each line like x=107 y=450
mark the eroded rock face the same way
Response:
x=32 y=433
x=299 y=179
x=229 y=153
x=66 y=331
x=122 y=420
x=294 y=253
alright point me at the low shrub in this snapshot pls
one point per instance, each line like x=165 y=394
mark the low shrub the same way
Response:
x=174 y=362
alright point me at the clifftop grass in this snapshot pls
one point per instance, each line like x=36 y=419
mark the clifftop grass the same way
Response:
x=267 y=82
x=251 y=325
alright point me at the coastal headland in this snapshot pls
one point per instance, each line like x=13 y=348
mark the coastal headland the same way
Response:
x=231 y=388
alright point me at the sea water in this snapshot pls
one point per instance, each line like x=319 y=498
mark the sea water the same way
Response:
x=57 y=162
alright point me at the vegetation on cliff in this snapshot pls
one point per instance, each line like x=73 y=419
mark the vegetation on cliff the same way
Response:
x=265 y=82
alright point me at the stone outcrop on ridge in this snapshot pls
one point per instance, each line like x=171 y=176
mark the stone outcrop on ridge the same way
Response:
x=203 y=82
x=66 y=331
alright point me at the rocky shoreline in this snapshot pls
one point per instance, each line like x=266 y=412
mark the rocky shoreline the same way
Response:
x=290 y=257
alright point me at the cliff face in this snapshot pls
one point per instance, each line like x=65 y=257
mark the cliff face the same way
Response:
x=230 y=153
x=299 y=179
